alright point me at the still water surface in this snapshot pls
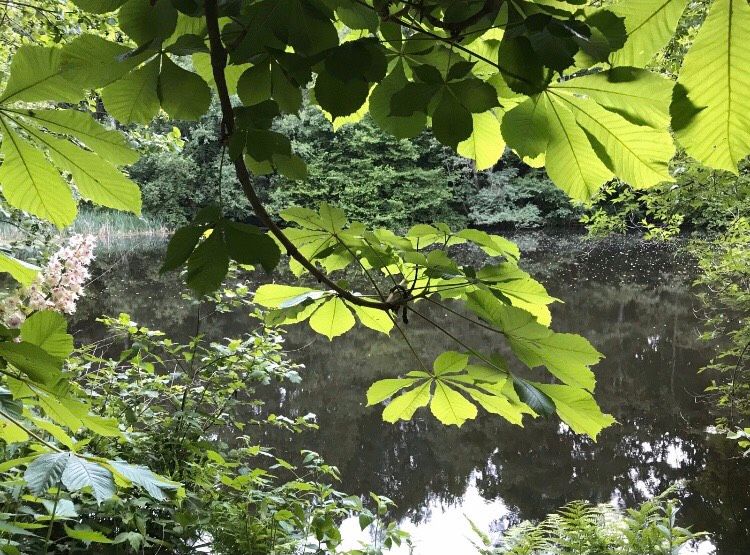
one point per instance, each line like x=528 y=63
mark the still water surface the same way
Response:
x=632 y=300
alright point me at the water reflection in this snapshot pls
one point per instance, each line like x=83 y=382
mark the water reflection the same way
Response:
x=631 y=300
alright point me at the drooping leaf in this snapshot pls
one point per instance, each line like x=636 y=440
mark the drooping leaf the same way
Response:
x=94 y=62
x=134 y=98
x=485 y=145
x=45 y=471
x=49 y=330
x=450 y=362
x=525 y=128
x=537 y=400
x=405 y=405
x=383 y=389
x=571 y=162
x=208 y=265
x=637 y=154
x=650 y=25
x=30 y=183
x=95 y=178
x=23 y=272
x=181 y=246
x=37 y=74
x=380 y=106
x=109 y=144
x=249 y=245
x=450 y=407
x=640 y=96
x=567 y=356
x=332 y=318
x=373 y=318
x=715 y=81
x=577 y=408
x=145 y=21
x=519 y=288
x=182 y=94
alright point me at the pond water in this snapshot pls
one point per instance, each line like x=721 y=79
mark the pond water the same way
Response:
x=631 y=299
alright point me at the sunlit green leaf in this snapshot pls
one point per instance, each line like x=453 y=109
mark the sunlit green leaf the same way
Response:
x=405 y=405
x=30 y=183
x=713 y=108
x=332 y=319
x=577 y=408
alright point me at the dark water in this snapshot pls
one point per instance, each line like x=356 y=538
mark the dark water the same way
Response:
x=632 y=300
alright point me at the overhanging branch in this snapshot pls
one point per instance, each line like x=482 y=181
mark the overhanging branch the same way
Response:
x=218 y=65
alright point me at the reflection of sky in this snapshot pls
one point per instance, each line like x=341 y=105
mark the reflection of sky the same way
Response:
x=447 y=529
x=639 y=315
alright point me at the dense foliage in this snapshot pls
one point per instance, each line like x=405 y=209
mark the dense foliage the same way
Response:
x=561 y=84
x=700 y=200
x=724 y=288
x=582 y=528
x=399 y=182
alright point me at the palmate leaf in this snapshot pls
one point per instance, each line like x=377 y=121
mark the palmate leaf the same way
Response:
x=403 y=127
x=332 y=318
x=637 y=154
x=520 y=289
x=571 y=162
x=638 y=95
x=650 y=25
x=36 y=74
x=383 y=389
x=450 y=407
x=95 y=178
x=94 y=62
x=568 y=357
x=449 y=391
x=29 y=182
x=109 y=144
x=577 y=408
x=712 y=106
x=485 y=145
x=405 y=405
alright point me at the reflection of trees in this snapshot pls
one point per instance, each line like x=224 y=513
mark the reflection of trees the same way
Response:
x=628 y=305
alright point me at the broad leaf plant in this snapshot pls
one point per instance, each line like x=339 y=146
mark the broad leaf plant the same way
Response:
x=565 y=84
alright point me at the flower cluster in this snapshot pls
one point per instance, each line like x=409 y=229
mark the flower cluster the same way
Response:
x=58 y=286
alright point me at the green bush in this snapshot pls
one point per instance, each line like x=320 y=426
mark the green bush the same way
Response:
x=520 y=197
x=583 y=529
x=373 y=176
x=700 y=200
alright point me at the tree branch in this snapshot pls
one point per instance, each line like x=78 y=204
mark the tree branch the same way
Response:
x=218 y=64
